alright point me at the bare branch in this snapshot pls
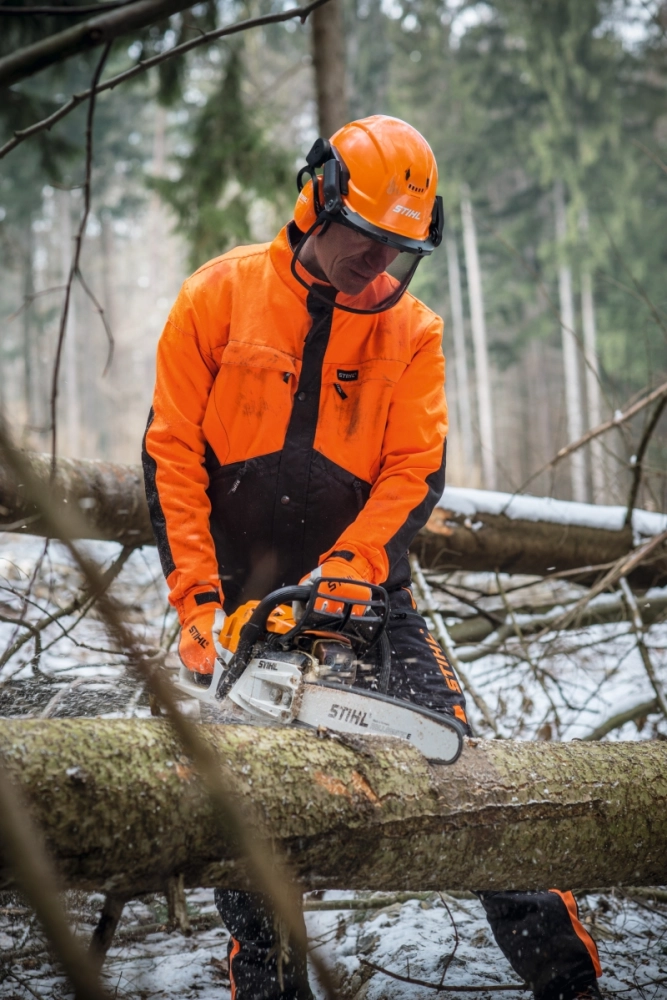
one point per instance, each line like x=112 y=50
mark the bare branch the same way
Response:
x=440 y=988
x=442 y=635
x=639 y=711
x=74 y=268
x=638 y=629
x=78 y=602
x=145 y=64
x=649 y=152
x=92 y=8
x=616 y=421
x=623 y=568
x=639 y=457
x=82 y=37
x=101 y=313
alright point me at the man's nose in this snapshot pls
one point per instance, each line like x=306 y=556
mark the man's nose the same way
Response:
x=377 y=257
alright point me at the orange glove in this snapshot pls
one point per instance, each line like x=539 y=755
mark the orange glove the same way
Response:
x=327 y=574
x=199 y=644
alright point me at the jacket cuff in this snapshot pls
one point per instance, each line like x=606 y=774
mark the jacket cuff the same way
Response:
x=197 y=598
x=354 y=559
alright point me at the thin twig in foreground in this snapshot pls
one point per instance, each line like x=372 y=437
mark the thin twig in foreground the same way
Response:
x=238 y=830
x=32 y=868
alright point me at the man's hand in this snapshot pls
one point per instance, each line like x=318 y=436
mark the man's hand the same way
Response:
x=332 y=578
x=199 y=645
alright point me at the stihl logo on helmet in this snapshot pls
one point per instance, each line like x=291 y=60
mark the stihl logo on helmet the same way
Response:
x=410 y=212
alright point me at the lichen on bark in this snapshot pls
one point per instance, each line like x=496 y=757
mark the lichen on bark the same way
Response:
x=122 y=808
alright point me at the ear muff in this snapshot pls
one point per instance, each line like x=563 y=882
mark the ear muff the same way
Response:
x=437 y=221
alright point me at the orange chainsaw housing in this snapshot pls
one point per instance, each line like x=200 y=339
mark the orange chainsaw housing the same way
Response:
x=280 y=621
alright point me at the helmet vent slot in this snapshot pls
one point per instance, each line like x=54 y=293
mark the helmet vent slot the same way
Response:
x=413 y=187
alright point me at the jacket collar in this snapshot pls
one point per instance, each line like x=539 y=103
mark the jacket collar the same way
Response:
x=281 y=253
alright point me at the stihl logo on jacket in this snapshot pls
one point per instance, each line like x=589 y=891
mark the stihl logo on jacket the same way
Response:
x=252 y=477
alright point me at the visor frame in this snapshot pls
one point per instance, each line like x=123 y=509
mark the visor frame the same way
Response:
x=404 y=244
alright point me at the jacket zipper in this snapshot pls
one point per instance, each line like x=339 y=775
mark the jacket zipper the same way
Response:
x=239 y=476
x=359 y=495
x=339 y=389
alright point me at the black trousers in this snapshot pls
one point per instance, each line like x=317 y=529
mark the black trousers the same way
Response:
x=538 y=932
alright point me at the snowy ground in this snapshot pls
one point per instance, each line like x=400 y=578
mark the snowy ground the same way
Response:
x=559 y=687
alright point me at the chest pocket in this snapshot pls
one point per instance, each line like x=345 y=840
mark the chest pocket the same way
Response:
x=354 y=408
x=251 y=401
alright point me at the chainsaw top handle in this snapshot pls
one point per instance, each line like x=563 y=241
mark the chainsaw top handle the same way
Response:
x=377 y=608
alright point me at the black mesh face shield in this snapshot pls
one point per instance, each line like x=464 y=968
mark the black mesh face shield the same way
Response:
x=372 y=267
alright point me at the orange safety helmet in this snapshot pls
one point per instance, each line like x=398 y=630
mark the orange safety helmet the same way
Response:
x=379 y=177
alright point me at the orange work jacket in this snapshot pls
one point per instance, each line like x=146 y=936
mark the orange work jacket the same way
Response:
x=283 y=429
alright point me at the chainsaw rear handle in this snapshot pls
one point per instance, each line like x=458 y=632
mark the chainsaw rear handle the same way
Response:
x=253 y=629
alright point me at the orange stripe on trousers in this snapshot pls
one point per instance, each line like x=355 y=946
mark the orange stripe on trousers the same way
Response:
x=234 y=952
x=579 y=928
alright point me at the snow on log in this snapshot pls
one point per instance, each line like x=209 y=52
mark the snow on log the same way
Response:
x=473 y=530
x=481 y=530
x=122 y=809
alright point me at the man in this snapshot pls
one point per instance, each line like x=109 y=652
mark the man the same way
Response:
x=299 y=427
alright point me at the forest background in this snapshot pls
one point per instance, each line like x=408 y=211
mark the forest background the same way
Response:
x=549 y=123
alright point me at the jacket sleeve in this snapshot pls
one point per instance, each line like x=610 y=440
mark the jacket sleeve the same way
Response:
x=412 y=469
x=173 y=453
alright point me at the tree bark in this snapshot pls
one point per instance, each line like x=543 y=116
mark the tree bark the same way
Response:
x=461 y=380
x=70 y=391
x=573 y=405
x=328 y=47
x=122 y=810
x=111 y=496
x=455 y=540
x=593 y=400
x=478 y=324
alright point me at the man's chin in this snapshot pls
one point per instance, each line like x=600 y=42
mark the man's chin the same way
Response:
x=349 y=285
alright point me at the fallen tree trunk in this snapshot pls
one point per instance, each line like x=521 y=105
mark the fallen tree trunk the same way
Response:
x=479 y=530
x=472 y=530
x=122 y=810
x=109 y=496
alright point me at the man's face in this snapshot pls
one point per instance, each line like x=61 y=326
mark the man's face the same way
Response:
x=346 y=259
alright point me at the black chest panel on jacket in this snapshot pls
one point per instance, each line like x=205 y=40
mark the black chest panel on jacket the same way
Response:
x=274 y=515
x=290 y=508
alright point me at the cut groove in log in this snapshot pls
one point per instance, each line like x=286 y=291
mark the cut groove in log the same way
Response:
x=122 y=810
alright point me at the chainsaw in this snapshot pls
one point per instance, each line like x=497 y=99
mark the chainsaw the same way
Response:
x=288 y=660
